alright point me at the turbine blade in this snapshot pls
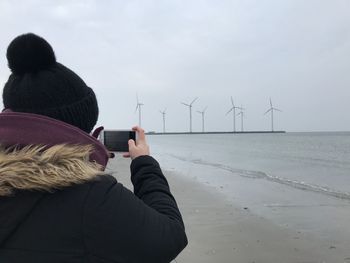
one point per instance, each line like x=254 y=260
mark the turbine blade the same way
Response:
x=137 y=105
x=268 y=111
x=270 y=102
x=199 y=111
x=229 y=111
x=277 y=109
x=193 y=100
x=233 y=104
x=137 y=98
x=185 y=104
x=205 y=108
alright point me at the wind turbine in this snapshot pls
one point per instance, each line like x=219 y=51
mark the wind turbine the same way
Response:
x=190 y=108
x=138 y=107
x=233 y=109
x=242 y=116
x=163 y=113
x=202 y=112
x=271 y=109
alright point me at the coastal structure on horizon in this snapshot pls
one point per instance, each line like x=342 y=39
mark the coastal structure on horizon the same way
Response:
x=233 y=110
x=202 y=113
x=190 y=109
x=138 y=107
x=271 y=109
x=214 y=132
x=163 y=114
x=241 y=113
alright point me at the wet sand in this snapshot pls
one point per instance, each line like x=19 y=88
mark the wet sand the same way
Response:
x=222 y=231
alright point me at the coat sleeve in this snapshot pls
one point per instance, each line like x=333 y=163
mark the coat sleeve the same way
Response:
x=142 y=227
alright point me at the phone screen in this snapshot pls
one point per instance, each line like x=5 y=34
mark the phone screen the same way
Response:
x=117 y=141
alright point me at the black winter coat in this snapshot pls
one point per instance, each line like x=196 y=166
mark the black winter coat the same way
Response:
x=57 y=208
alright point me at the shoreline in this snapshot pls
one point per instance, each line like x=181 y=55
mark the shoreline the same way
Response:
x=222 y=230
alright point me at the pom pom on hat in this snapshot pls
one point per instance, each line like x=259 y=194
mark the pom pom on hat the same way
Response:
x=29 y=53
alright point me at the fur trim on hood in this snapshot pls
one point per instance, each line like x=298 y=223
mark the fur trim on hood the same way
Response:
x=45 y=169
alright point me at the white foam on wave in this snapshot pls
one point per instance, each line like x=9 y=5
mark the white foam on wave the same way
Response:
x=264 y=176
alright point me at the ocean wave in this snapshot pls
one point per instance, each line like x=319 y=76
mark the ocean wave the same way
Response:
x=276 y=179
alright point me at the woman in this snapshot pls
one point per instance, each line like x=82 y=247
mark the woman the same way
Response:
x=56 y=203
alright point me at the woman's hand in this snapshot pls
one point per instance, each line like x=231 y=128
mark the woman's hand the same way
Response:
x=140 y=147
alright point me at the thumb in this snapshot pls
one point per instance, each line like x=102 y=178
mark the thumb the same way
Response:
x=131 y=144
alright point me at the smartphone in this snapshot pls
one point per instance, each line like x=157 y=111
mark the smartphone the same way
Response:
x=117 y=140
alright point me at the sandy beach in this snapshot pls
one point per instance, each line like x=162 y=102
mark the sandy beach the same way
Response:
x=220 y=230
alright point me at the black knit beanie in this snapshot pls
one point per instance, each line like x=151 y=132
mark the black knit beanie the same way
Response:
x=38 y=84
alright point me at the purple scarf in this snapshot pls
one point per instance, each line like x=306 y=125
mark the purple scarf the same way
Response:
x=19 y=128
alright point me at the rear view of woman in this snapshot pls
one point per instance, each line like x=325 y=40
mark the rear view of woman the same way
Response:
x=56 y=203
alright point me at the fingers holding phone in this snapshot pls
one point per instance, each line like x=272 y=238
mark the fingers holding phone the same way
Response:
x=140 y=147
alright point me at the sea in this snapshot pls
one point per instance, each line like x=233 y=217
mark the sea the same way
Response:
x=318 y=162
x=297 y=180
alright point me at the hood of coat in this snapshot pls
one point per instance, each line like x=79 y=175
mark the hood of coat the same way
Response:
x=22 y=129
x=38 y=168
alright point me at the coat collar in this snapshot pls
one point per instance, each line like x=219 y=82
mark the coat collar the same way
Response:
x=41 y=153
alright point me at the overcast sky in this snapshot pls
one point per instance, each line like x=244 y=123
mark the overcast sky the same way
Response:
x=169 y=51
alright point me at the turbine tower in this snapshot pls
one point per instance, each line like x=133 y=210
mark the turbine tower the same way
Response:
x=271 y=110
x=138 y=107
x=242 y=116
x=202 y=112
x=163 y=113
x=233 y=109
x=190 y=108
